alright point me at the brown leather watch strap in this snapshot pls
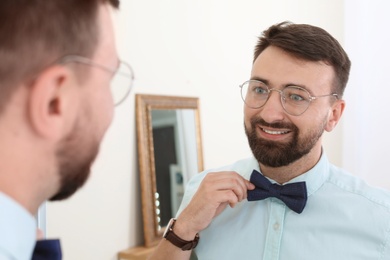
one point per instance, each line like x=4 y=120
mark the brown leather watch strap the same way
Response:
x=176 y=240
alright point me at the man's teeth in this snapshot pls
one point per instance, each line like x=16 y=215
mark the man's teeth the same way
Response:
x=275 y=132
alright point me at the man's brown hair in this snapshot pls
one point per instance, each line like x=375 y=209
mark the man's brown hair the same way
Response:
x=34 y=33
x=311 y=43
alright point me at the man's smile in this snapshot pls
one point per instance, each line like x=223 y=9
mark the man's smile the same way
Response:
x=268 y=133
x=275 y=132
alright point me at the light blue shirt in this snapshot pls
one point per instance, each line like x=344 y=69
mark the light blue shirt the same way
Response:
x=17 y=230
x=344 y=219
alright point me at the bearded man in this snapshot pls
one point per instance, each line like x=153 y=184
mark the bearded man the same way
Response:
x=287 y=201
x=58 y=60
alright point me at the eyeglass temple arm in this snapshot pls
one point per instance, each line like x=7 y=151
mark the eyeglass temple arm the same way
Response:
x=334 y=95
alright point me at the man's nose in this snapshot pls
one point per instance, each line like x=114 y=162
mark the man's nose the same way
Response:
x=273 y=109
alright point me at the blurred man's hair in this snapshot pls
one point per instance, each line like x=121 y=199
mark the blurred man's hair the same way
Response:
x=35 y=33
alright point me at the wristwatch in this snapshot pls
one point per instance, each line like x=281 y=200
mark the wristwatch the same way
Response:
x=177 y=241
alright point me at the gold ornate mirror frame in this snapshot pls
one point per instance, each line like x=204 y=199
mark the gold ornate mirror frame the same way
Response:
x=144 y=106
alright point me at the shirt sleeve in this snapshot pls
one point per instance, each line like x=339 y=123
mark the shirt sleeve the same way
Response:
x=190 y=190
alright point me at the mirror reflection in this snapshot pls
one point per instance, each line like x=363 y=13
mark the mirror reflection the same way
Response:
x=175 y=157
x=169 y=153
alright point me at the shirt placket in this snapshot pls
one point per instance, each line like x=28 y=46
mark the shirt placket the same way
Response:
x=274 y=230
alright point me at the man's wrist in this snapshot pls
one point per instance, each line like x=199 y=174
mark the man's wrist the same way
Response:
x=182 y=229
x=176 y=240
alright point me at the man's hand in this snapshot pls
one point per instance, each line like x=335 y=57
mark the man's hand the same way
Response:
x=216 y=191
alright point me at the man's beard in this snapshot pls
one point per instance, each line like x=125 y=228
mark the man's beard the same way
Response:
x=75 y=158
x=278 y=154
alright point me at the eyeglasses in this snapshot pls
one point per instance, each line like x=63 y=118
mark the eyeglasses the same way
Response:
x=295 y=100
x=122 y=79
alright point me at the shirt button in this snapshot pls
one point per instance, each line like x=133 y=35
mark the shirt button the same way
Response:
x=276 y=226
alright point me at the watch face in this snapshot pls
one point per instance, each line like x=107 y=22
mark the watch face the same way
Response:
x=168 y=227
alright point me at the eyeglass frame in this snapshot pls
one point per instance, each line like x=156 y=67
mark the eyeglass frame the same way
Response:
x=282 y=97
x=83 y=60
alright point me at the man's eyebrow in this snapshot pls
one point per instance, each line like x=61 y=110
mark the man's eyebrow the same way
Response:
x=259 y=79
x=299 y=85
x=284 y=85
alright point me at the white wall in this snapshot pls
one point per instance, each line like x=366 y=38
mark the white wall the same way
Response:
x=187 y=48
x=366 y=133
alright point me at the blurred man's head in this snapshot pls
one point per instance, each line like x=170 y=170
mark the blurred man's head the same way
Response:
x=68 y=103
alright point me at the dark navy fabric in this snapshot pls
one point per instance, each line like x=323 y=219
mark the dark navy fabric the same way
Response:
x=47 y=250
x=294 y=195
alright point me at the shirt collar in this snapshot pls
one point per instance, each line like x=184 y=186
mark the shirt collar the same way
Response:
x=17 y=229
x=314 y=178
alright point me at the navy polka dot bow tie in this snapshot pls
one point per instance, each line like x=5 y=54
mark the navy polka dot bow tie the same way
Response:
x=294 y=195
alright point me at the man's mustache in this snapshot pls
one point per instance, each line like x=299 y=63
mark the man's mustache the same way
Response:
x=262 y=122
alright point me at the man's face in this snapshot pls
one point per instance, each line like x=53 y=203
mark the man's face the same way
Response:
x=78 y=150
x=275 y=137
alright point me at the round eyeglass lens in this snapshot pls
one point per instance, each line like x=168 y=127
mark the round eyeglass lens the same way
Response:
x=121 y=83
x=254 y=93
x=295 y=100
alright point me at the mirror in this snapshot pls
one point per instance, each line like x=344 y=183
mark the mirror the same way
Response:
x=169 y=153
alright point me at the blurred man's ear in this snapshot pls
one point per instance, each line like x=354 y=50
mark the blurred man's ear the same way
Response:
x=53 y=102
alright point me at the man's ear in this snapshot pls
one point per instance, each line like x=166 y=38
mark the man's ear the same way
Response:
x=335 y=114
x=52 y=102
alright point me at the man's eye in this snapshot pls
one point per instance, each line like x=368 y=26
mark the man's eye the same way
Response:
x=295 y=97
x=260 y=90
